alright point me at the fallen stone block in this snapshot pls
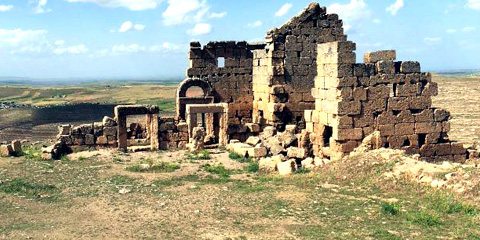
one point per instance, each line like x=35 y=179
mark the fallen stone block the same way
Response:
x=308 y=164
x=109 y=122
x=17 y=147
x=6 y=151
x=287 y=167
x=268 y=132
x=295 y=152
x=253 y=141
x=64 y=129
x=267 y=165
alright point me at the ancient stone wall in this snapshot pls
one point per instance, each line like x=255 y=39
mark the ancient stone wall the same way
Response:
x=354 y=100
x=283 y=74
x=232 y=82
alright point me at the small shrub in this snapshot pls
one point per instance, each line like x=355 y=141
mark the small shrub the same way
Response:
x=425 y=219
x=32 y=153
x=253 y=167
x=390 y=209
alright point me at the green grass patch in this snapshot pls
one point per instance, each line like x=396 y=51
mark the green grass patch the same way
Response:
x=32 y=153
x=30 y=189
x=200 y=155
x=252 y=167
x=425 y=219
x=121 y=180
x=218 y=170
x=239 y=158
x=390 y=209
x=302 y=171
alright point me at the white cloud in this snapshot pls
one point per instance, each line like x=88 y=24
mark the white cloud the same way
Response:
x=59 y=42
x=393 y=9
x=78 y=49
x=217 y=15
x=18 y=41
x=377 y=21
x=133 y=48
x=40 y=8
x=18 y=37
x=138 y=27
x=181 y=11
x=5 y=8
x=284 y=9
x=351 y=12
x=469 y=29
x=432 y=40
x=200 y=29
x=254 y=24
x=134 y=5
x=122 y=49
x=451 y=30
x=128 y=25
x=165 y=47
x=473 y=4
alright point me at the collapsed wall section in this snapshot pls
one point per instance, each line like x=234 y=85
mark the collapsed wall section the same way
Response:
x=283 y=74
x=354 y=100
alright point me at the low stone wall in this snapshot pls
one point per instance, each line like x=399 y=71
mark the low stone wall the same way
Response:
x=93 y=134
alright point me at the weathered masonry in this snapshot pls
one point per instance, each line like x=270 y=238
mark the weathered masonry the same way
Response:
x=300 y=95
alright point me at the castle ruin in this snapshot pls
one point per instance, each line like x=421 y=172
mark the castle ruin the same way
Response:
x=299 y=95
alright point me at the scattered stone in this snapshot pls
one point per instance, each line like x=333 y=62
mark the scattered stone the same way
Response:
x=7 y=150
x=287 y=167
x=253 y=141
x=109 y=122
x=17 y=147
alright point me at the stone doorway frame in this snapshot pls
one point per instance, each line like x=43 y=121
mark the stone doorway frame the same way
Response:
x=215 y=108
x=151 y=112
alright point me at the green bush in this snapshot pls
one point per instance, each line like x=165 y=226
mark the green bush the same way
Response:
x=390 y=209
x=252 y=167
x=424 y=219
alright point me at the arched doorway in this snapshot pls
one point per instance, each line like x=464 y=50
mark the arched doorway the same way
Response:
x=193 y=91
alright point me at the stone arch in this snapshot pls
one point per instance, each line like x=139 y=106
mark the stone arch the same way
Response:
x=194 y=82
x=182 y=99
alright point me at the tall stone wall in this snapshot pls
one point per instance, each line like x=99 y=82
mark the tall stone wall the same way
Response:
x=231 y=83
x=283 y=75
x=354 y=100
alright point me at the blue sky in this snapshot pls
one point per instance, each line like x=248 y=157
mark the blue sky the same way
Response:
x=149 y=38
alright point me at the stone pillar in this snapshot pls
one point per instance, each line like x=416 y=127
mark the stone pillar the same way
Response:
x=153 y=127
x=122 y=133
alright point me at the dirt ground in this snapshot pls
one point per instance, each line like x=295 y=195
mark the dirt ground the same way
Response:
x=103 y=195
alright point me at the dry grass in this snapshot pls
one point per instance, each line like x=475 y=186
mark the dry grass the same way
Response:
x=94 y=195
x=461 y=96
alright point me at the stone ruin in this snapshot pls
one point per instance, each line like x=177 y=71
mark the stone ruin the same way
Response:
x=299 y=99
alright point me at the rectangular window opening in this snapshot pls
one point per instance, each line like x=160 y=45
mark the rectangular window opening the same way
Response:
x=221 y=62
